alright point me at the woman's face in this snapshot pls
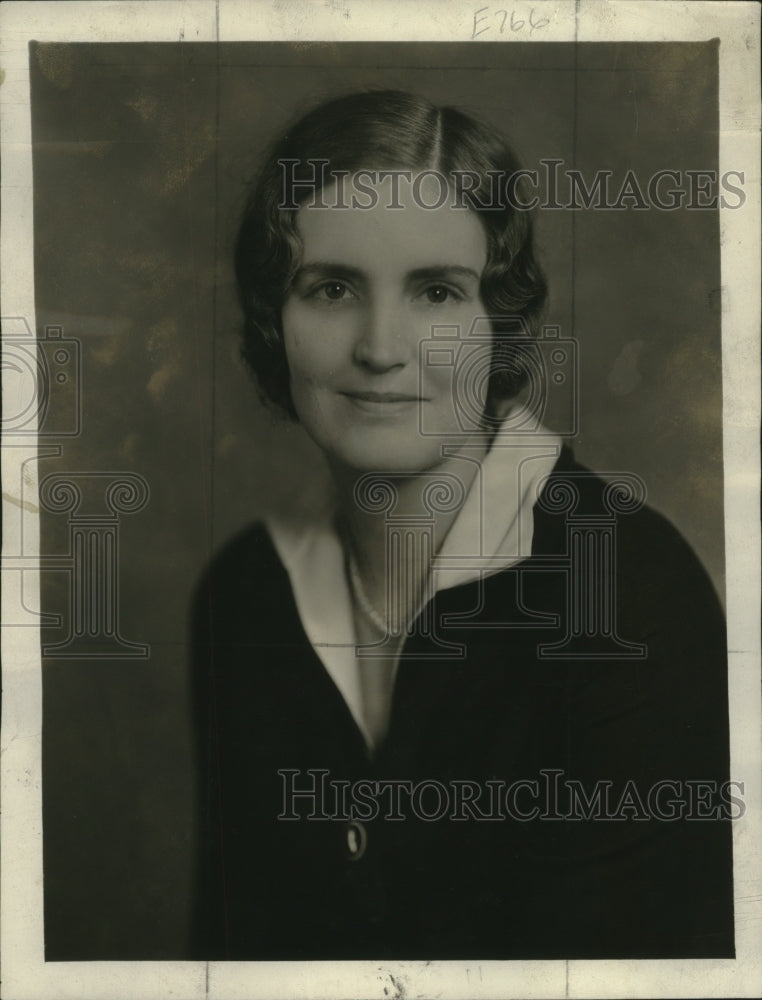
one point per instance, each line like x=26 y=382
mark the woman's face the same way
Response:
x=371 y=285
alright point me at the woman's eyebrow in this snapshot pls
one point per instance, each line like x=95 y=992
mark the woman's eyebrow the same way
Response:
x=329 y=269
x=337 y=269
x=439 y=271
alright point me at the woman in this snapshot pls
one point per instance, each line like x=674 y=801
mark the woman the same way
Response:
x=461 y=711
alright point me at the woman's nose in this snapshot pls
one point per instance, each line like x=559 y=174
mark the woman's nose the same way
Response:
x=384 y=339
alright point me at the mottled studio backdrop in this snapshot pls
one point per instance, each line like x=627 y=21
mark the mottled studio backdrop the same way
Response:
x=141 y=157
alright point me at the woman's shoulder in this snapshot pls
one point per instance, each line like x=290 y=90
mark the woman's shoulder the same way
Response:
x=651 y=554
x=576 y=496
x=243 y=576
x=249 y=546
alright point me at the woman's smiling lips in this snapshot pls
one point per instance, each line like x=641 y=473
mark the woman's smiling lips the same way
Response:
x=382 y=403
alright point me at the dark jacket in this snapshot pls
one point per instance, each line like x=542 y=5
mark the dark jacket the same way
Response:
x=633 y=885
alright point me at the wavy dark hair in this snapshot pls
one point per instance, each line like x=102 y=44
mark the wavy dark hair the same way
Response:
x=387 y=130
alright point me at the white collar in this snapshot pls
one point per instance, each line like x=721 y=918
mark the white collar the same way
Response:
x=495 y=522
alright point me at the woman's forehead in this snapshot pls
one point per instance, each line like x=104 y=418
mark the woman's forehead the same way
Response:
x=369 y=225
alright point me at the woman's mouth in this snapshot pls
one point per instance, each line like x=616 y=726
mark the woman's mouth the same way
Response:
x=382 y=403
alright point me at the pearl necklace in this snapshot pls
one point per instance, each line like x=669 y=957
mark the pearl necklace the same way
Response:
x=358 y=589
x=372 y=614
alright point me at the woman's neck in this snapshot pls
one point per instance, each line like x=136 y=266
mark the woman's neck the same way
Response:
x=393 y=524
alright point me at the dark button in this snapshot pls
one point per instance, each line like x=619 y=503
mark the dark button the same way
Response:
x=357 y=840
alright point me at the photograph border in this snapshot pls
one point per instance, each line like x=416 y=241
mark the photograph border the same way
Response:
x=23 y=970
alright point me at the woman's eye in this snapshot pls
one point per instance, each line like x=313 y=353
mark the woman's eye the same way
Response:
x=437 y=294
x=332 y=290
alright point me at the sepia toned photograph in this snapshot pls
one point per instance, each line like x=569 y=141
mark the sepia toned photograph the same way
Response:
x=369 y=483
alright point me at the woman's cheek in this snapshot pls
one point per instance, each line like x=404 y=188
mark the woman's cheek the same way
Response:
x=316 y=345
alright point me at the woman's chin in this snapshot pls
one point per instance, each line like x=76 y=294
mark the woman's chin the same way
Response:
x=398 y=456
